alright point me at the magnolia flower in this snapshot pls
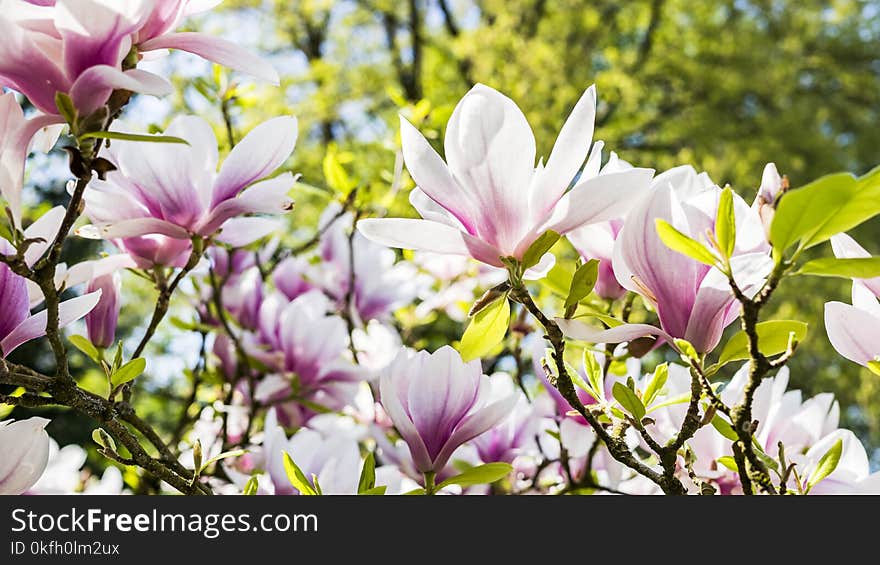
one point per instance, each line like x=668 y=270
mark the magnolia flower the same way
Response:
x=25 y=448
x=693 y=301
x=174 y=191
x=77 y=47
x=438 y=402
x=62 y=474
x=333 y=458
x=101 y=321
x=16 y=134
x=489 y=200
x=17 y=326
x=309 y=350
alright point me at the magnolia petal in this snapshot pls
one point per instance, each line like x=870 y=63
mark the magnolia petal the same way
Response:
x=605 y=197
x=427 y=236
x=265 y=197
x=256 y=156
x=580 y=331
x=430 y=210
x=46 y=228
x=432 y=176
x=569 y=153
x=239 y=232
x=845 y=247
x=852 y=332
x=33 y=327
x=388 y=395
x=140 y=226
x=25 y=448
x=93 y=87
x=217 y=50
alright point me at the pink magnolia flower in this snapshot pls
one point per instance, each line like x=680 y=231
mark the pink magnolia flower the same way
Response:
x=693 y=301
x=164 y=194
x=309 y=350
x=16 y=136
x=438 y=402
x=25 y=448
x=488 y=200
x=17 y=325
x=772 y=187
x=77 y=47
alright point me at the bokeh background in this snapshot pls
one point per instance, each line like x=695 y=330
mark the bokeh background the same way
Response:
x=724 y=85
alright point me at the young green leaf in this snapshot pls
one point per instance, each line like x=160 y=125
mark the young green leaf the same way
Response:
x=486 y=330
x=629 y=400
x=221 y=456
x=368 y=474
x=375 y=491
x=582 y=284
x=594 y=375
x=103 y=439
x=874 y=367
x=134 y=137
x=250 y=489
x=827 y=206
x=773 y=337
x=128 y=372
x=65 y=107
x=86 y=347
x=724 y=428
x=826 y=465
x=296 y=477
x=688 y=352
x=728 y=462
x=334 y=173
x=538 y=248
x=656 y=384
x=858 y=268
x=679 y=242
x=479 y=475
x=725 y=223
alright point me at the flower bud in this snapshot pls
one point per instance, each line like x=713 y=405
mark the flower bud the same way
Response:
x=101 y=321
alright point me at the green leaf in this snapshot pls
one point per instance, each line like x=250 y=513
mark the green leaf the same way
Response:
x=134 y=137
x=772 y=340
x=629 y=400
x=368 y=474
x=375 y=491
x=860 y=268
x=296 y=477
x=582 y=284
x=874 y=367
x=103 y=439
x=221 y=456
x=688 y=352
x=117 y=357
x=86 y=347
x=827 y=464
x=827 y=206
x=679 y=242
x=728 y=462
x=538 y=248
x=725 y=223
x=128 y=372
x=594 y=375
x=250 y=489
x=486 y=330
x=334 y=173
x=479 y=475
x=656 y=384
x=724 y=428
x=414 y=492
x=65 y=107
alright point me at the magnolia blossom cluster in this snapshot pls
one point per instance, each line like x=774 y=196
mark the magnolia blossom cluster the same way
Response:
x=326 y=375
